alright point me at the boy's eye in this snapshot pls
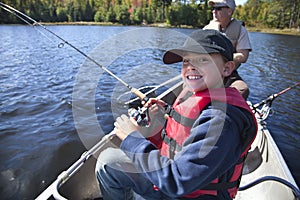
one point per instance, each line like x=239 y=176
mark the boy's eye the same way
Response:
x=186 y=61
x=194 y=61
x=201 y=60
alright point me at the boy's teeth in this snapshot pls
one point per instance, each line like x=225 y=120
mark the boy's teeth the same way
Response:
x=193 y=77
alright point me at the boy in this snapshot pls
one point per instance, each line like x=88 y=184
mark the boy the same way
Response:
x=200 y=152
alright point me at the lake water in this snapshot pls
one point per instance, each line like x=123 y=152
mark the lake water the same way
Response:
x=54 y=103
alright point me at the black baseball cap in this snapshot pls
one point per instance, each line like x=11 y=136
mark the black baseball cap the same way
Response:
x=202 y=42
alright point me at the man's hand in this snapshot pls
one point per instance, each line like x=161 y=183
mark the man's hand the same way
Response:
x=124 y=126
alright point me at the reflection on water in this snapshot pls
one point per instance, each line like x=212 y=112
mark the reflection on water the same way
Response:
x=38 y=135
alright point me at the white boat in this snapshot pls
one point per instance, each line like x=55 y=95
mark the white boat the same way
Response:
x=265 y=175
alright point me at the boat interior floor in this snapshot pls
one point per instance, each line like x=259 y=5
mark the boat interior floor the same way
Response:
x=253 y=161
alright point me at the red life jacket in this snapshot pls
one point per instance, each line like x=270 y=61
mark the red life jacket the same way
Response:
x=181 y=119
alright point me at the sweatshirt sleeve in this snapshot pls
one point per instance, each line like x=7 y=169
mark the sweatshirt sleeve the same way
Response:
x=211 y=149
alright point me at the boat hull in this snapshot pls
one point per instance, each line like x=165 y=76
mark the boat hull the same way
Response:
x=266 y=161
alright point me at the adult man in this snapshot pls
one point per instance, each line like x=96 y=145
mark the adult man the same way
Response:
x=222 y=20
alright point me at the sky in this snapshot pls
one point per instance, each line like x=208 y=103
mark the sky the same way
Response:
x=240 y=2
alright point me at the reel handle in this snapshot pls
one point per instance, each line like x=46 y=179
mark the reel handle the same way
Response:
x=141 y=116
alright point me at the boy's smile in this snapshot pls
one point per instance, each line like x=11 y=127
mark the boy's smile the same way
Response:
x=193 y=77
x=202 y=71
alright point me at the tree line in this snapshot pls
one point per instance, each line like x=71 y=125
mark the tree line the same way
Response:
x=194 y=13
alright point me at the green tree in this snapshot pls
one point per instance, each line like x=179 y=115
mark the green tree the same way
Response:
x=174 y=17
x=270 y=13
x=122 y=14
x=111 y=15
x=61 y=14
x=137 y=16
x=150 y=14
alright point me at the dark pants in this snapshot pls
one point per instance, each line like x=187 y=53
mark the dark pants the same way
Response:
x=234 y=80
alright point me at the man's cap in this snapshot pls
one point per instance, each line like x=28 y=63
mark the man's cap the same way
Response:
x=220 y=3
x=202 y=42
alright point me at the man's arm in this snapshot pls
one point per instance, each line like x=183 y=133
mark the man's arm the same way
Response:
x=243 y=48
x=240 y=57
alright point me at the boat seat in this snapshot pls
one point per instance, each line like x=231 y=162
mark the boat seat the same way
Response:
x=253 y=161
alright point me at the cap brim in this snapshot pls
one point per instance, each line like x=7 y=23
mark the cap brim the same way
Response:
x=217 y=3
x=175 y=55
x=171 y=57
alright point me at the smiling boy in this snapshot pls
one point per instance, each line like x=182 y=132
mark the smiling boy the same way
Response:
x=200 y=151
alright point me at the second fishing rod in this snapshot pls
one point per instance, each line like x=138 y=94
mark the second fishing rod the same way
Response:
x=28 y=20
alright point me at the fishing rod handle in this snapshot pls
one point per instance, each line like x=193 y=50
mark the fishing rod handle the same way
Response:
x=139 y=94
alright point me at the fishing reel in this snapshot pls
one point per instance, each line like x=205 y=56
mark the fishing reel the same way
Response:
x=140 y=115
x=136 y=106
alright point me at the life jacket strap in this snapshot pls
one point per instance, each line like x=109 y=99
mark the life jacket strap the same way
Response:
x=185 y=121
x=221 y=185
x=173 y=145
x=227 y=185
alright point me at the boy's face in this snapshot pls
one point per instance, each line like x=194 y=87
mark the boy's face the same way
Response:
x=204 y=71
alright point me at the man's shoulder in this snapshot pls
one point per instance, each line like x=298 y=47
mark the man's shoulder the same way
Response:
x=212 y=25
x=239 y=22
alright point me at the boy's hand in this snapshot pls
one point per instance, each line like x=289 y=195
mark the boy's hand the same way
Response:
x=153 y=105
x=124 y=126
x=153 y=101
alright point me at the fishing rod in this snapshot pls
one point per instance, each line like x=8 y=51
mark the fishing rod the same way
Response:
x=110 y=138
x=154 y=88
x=271 y=98
x=28 y=20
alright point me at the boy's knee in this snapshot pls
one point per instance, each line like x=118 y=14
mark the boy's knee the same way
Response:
x=114 y=158
x=108 y=156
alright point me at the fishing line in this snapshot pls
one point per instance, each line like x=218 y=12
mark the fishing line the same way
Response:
x=19 y=15
x=28 y=20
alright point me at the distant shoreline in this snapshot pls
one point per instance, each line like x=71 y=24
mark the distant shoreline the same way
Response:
x=292 y=31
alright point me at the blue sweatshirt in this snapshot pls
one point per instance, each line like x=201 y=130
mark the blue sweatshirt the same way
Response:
x=212 y=150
